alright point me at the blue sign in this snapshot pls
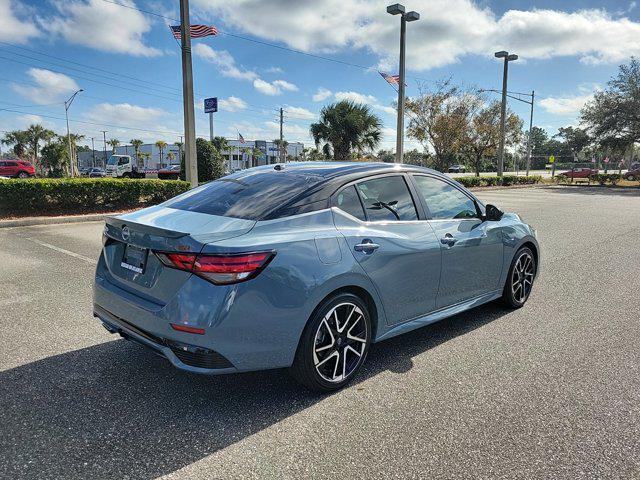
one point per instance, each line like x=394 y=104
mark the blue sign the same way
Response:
x=211 y=105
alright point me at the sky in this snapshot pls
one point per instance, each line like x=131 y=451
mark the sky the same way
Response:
x=129 y=65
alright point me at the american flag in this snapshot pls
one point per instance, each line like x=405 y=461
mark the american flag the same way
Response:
x=240 y=138
x=197 y=31
x=391 y=79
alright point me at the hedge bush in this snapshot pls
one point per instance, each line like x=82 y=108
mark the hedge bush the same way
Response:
x=606 y=178
x=495 y=180
x=44 y=196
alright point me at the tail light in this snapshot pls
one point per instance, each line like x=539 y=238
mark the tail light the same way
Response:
x=219 y=269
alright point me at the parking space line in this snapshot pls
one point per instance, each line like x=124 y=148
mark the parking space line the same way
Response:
x=61 y=250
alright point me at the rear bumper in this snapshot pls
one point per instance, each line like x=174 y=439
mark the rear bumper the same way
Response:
x=183 y=356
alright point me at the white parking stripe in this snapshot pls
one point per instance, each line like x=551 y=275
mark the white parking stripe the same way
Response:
x=61 y=250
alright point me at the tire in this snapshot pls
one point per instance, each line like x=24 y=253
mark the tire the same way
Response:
x=519 y=283
x=631 y=178
x=23 y=175
x=326 y=347
x=126 y=175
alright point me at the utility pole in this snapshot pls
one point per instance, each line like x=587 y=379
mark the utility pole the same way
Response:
x=282 y=156
x=211 y=126
x=93 y=152
x=104 y=137
x=530 y=140
x=191 y=165
x=398 y=9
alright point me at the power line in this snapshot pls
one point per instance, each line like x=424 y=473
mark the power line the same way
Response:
x=261 y=42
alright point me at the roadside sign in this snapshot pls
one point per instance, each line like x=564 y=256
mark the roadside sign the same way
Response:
x=552 y=159
x=211 y=105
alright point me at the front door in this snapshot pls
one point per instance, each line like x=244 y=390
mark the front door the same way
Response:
x=397 y=250
x=472 y=249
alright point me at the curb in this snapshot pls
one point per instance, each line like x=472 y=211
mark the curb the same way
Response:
x=30 y=221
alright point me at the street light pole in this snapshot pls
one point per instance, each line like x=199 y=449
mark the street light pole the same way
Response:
x=67 y=104
x=503 y=110
x=191 y=166
x=104 y=137
x=398 y=9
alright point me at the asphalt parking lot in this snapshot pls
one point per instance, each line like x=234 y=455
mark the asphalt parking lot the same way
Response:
x=548 y=391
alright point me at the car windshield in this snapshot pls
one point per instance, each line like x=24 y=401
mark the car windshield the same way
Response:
x=113 y=160
x=248 y=195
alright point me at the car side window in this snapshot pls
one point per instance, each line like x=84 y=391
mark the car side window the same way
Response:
x=387 y=198
x=443 y=200
x=348 y=201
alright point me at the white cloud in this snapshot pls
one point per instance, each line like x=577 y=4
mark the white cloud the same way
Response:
x=284 y=85
x=447 y=31
x=124 y=113
x=570 y=105
x=232 y=104
x=274 y=70
x=101 y=25
x=266 y=87
x=355 y=97
x=300 y=113
x=268 y=131
x=51 y=86
x=224 y=61
x=322 y=94
x=12 y=28
x=274 y=88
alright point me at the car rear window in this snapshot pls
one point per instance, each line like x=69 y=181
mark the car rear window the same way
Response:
x=248 y=195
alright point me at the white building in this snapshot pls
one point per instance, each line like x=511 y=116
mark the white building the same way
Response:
x=239 y=156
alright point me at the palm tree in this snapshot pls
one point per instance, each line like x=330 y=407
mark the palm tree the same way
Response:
x=282 y=147
x=113 y=143
x=170 y=157
x=345 y=127
x=19 y=140
x=36 y=134
x=221 y=144
x=137 y=143
x=161 y=144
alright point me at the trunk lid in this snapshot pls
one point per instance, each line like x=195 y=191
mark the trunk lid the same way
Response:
x=134 y=237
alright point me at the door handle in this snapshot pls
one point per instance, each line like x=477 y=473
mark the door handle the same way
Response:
x=367 y=246
x=448 y=240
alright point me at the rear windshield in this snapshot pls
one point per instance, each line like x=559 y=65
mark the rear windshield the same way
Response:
x=248 y=195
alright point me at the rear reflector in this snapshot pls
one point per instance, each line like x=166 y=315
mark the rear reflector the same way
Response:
x=219 y=269
x=187 y=329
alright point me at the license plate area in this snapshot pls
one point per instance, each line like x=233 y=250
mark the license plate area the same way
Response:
x=134 y=258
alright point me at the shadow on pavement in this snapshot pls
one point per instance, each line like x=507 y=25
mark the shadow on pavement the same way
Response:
x=116 y=410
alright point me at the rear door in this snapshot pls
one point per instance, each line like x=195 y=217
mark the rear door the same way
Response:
x=397 y=249
x=472 y=249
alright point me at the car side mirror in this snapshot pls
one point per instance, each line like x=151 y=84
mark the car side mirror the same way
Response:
x=493 y=213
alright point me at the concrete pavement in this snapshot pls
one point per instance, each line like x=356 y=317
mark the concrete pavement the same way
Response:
x=548 y=391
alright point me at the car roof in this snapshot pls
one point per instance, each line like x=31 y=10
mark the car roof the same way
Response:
x=324 y=178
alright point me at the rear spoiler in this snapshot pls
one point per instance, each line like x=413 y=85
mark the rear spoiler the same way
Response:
x=143 y=228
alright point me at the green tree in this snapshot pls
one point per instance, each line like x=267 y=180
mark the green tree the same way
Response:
x=575 y=139
x=282 y=148
x=161 y=144
x=210 y=164
x=137 y=143
x=482 y=134
x=439 y=121
x=345 y=127
x=613 y=116
x=55 y=157
x=170 y=157
x=221 y=144
x=113 y=143
x=19 y=140
x=36 y=134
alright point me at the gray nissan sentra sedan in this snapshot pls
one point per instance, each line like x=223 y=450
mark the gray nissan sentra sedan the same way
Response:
x=304 y=265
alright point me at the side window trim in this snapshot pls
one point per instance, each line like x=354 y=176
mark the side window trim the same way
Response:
x=451 y=184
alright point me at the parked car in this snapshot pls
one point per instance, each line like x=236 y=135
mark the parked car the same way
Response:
x=634 y=174
x=16 y=169
x=96 y=172
x=84 y=171
x=579 y=172
x=457 y=169
x=172 y=172
x=305 y=265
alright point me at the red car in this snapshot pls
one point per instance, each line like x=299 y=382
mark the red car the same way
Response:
x=633 y=175
x=16 y=169
x=579 y=172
